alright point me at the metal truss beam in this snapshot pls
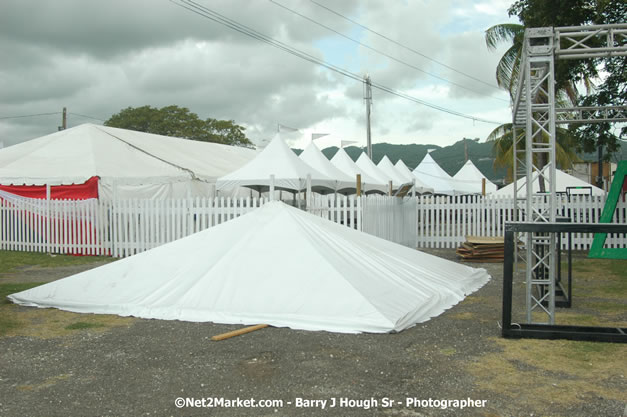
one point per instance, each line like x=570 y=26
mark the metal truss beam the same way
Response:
x=534 y=111
x=594 y=41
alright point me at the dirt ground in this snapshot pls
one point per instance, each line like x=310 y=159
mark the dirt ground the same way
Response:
x=134 y=367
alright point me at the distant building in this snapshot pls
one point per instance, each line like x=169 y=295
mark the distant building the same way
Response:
x=588 y=171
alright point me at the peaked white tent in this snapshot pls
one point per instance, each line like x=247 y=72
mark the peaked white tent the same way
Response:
x=429 y=172
x=309 y=273
x=365 y=164
x=562 y=182
x=290 y=172
x=344 y=163
x=316 y=159
x=420 y=186
x=136 y=164
x=472 y=179
x=386 y=167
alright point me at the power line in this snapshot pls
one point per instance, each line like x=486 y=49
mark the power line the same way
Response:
x=88 y=117
x=381 y=52
x=241 y=28
x=29 y=115
x=404 y=46
x=48 y=114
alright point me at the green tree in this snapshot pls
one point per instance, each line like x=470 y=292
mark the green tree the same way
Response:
x=565 y=149
x=179 y=122
x=605 y=78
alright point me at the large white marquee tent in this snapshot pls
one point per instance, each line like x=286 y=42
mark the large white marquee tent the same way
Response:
x=301 y=271
x=472 y=179
x=420 y=186
x=344 y=163
x=134 y=164
x=278 y=160
x=563 y=182
x=316 y=159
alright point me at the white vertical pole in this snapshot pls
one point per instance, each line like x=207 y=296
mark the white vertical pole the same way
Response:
x=48 y=222
x=271 y=187
x=308 y=193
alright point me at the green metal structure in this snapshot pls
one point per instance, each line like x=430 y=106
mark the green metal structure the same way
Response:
x=597 y=250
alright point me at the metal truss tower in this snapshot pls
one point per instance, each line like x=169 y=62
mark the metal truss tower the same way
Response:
x=535 y=112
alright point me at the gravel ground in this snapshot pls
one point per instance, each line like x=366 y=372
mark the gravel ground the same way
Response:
x=140 y=369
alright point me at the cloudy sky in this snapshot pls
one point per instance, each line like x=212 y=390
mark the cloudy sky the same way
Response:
x=98 y=57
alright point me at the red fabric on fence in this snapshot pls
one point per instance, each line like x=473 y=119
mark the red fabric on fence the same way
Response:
x=88 y=189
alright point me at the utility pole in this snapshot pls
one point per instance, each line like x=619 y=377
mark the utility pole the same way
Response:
x=63 y=120
x=466 y=149
x=368 y=98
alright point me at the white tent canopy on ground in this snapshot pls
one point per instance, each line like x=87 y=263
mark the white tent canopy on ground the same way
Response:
x=563 y=181
x=309 y=273
x=136 y=164
x=419 y=185
x=429 y=172
x=316 y=159
x=344 y=163
x=472 y=179
x=290 y=172
x=388 y=169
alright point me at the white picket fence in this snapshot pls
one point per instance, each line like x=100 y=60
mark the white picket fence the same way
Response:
x=126 y=227
x=444 y=222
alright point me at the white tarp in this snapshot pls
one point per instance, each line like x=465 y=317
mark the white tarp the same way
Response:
x=562 y=181
x=300 y=271
x=472 y=179
x=419 y=185
x=136 y=164
x=316 y=159
x=344 y=163
x=290 y=172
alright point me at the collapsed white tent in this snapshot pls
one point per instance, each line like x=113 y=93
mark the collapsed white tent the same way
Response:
x=277 y=159
x=301 y=271
x=420 y=186
x=344 y=163
x=135 y=164
x=316 y=159
x=563 y=181
x=472 y=179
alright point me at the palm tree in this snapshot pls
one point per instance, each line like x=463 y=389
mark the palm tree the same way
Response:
x=565 y=145
x=507 y=71
x=508 y=66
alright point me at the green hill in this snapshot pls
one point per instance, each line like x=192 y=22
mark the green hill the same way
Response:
x=450 y=158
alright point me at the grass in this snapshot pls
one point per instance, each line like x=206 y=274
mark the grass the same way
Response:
x=79 y=325
x=47 y=322
x=12 y=260
x=570 y=373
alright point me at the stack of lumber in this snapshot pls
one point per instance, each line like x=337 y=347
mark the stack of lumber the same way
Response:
x=482 y=249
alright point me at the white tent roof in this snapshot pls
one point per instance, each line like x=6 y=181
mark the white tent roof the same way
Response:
x=419 y=185
x=309 y=273
x=562 y=181
x=344 y=163
x=429 y=172
x=290 y=172
x=316 y=159
x=471 y=178
x=74 y=155
x=365 y=164
x=386 y=167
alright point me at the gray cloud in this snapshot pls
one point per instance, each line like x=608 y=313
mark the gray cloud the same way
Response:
x=96 y=58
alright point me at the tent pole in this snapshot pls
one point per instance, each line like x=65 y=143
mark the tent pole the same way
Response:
x=271 y=196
